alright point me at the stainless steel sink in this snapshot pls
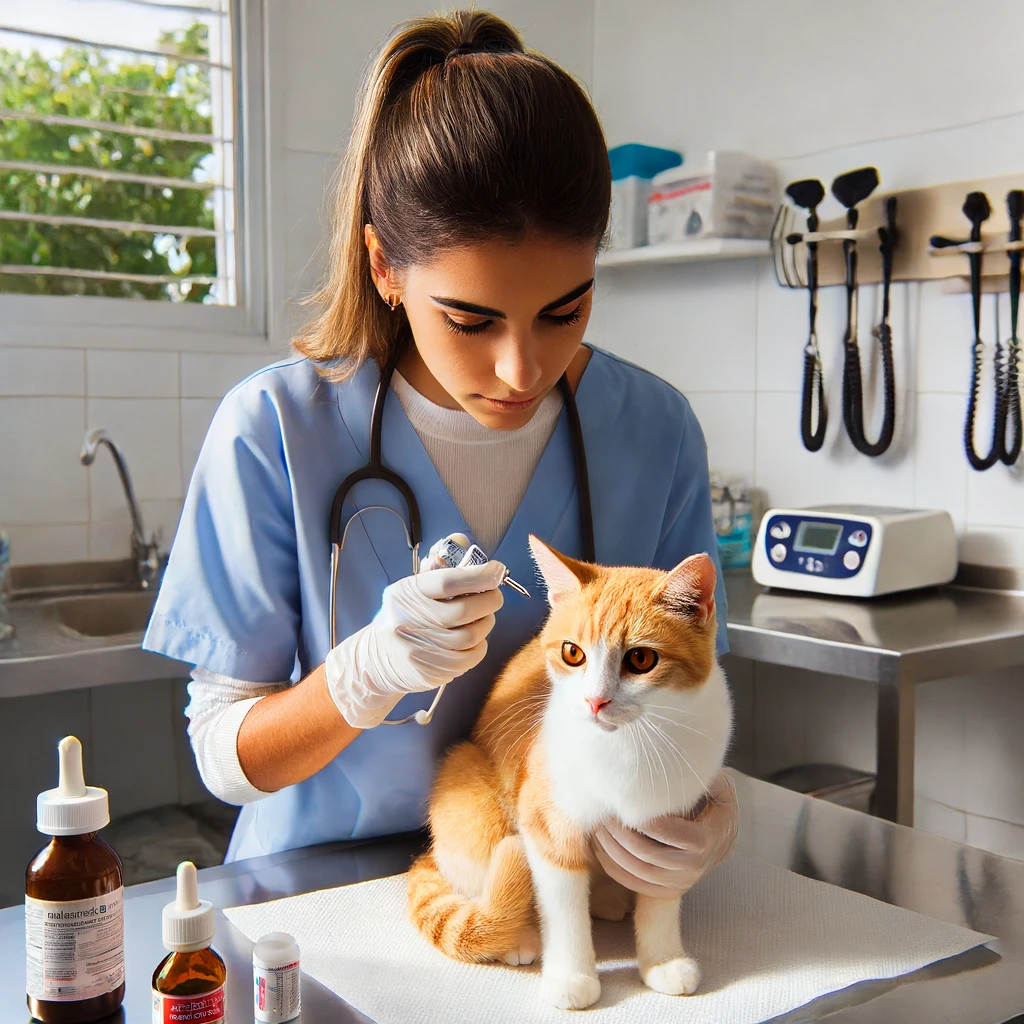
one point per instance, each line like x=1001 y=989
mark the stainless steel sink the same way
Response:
x=78 y=625
x=104 y=615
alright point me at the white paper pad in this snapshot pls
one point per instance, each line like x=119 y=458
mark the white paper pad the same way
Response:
x=767 y=941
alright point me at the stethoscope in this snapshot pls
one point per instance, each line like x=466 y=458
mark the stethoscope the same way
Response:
x=376 y=470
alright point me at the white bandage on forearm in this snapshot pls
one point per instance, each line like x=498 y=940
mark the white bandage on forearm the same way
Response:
x=217 y=707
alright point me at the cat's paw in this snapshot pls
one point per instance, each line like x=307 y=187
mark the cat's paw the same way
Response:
x=527 y=949
x=570 y=991
x=678 y=977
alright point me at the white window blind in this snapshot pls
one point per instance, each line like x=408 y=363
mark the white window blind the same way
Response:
x=119 y=172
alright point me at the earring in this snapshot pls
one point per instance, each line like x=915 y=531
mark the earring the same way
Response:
x=394 y=301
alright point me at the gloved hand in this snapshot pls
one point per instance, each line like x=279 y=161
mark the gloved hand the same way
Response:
x=430 y=629
x=672 y=853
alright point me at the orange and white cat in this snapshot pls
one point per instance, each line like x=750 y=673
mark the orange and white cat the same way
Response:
x=618 y=709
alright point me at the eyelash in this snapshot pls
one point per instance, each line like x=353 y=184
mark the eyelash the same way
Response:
x=565 y=320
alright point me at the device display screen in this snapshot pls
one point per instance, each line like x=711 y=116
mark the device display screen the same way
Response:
x=818 y=538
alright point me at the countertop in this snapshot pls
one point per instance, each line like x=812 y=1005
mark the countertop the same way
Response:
x=41 y=658
x=903 y=638
x=889 y=862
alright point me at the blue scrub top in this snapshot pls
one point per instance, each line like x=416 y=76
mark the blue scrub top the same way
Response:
x=247 y=588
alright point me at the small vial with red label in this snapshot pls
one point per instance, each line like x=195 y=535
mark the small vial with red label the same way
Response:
x=188 y=984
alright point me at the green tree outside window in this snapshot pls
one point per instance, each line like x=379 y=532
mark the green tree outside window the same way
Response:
x=163 y=93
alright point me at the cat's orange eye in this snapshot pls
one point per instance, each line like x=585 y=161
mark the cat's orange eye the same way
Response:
x=572 y=655
x=640 y=660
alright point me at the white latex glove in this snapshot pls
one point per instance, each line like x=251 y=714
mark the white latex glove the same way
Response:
x=431 y=628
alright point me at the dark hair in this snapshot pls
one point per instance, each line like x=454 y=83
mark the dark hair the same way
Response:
x=460 y=135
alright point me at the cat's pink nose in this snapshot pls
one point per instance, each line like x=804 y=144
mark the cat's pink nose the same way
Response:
x=596 y=703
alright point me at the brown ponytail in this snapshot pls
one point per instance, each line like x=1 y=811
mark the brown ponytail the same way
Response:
x=460 y=135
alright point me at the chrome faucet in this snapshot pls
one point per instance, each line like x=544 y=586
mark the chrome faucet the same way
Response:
x=148 y=564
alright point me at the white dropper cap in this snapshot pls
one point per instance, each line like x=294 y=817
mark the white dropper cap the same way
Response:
x=73 y=808
x=188 y=922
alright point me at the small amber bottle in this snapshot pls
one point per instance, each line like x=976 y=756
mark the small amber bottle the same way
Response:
x=74 y=904
x=188 y=984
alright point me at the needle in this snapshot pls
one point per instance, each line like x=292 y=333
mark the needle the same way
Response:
x=452 y=553
x=517 y=587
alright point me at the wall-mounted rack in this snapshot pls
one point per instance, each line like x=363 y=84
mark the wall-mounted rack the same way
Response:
x=923 y=213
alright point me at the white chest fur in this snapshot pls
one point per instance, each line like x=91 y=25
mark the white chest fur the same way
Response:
x=658 y=763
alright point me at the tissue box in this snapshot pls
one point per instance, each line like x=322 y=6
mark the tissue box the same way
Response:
x=633 y=166
x=731 y=195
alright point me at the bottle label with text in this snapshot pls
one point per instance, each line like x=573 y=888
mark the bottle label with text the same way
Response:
x=74 y=950
x=207 y=1008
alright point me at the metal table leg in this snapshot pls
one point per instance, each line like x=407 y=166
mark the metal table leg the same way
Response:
x=894 y=788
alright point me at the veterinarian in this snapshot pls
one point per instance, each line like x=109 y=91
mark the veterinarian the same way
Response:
x=473 y=200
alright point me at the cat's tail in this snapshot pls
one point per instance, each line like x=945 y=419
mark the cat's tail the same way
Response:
x=474 y=929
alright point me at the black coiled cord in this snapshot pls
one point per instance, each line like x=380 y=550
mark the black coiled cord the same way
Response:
x=1011 y=405
x=814 y=382
x=814 y=385
x=853 y=395
x=982 y=462
x=1011 y=368
x=853 y=386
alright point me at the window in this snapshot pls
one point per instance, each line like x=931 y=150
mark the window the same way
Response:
x=126 y=156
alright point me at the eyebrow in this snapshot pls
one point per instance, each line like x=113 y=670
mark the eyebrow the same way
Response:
x=472 y=307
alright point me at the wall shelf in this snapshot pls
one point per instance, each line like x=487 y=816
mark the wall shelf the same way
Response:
x=695 y=251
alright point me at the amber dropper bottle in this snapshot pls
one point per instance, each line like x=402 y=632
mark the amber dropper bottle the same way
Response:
x=188 y=984
x=74 y=903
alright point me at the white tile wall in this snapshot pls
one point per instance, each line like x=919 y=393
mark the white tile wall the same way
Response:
x=57 y=510
x=213 y=375
x=117 y=374
x=37 y=544
x=42 y=371
x=742 y=64
x=43 y=481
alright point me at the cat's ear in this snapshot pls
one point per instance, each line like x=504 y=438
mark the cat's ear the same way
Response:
x=689 y=590
x=562 y=575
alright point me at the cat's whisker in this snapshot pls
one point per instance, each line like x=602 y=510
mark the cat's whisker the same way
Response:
x=634 y=761
x=680 y=711
x=680 y=725
x=679 y=752
x=528 y=706
x=523 y=726
x=648 y=763
x=531 y=699
x=524 y=741
x=664 y=768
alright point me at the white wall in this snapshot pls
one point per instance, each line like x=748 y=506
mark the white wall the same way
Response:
x=773 y=78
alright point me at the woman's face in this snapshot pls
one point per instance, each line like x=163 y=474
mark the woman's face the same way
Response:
x=496 y=324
